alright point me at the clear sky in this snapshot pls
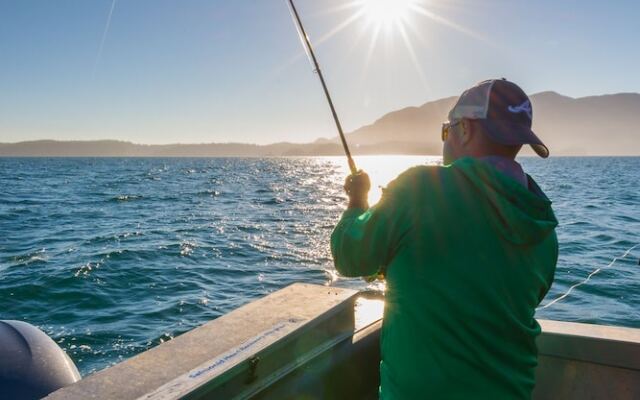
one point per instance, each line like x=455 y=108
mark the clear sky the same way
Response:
x=194 y=71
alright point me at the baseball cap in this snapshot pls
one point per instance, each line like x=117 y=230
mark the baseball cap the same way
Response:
x=503 y=109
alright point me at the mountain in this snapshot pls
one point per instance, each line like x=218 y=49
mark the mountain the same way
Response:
x=410 y=124
x=595 y=125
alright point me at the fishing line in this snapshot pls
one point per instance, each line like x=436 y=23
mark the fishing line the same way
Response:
x=626 y=253
x=104 y=38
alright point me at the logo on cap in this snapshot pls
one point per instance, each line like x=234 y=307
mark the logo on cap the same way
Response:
x=524 y=107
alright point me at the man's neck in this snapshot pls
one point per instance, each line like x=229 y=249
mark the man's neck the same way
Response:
x=509 y=167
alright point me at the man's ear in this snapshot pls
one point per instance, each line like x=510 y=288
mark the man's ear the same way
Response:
x=467 y=132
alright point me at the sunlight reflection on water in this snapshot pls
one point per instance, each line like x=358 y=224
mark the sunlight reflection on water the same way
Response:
x=382 y=169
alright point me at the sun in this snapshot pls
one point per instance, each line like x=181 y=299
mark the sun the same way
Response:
x=396 y=21
x=386 y=13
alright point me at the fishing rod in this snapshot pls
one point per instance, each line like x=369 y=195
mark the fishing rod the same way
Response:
x=307 y=45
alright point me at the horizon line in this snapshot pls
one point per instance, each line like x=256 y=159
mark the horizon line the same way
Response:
x=297 y=143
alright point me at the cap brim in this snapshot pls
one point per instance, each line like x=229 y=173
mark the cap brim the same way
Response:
x=512 y=134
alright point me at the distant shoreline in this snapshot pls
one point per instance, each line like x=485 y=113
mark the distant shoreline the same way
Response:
x=112 y=148
x=583 y=127
x=297 y=156
x=119 y=149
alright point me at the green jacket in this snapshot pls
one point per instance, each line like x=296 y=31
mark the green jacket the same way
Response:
x=468 y=254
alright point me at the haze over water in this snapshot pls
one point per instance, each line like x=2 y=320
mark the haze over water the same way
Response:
x=112 y=256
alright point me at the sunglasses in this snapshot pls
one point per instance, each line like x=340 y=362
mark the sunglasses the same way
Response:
x=446 y=128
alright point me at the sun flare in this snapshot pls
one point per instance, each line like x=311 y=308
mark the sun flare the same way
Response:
x=403 y=23
x=387 y=12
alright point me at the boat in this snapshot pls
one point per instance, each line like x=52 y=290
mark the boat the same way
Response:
x=318 y=342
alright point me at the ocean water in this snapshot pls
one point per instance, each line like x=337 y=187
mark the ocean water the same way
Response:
x=113 y=256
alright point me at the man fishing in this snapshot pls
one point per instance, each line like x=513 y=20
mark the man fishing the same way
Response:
x=468 y=250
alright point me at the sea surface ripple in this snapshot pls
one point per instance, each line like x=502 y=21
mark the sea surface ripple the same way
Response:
x=112 y=256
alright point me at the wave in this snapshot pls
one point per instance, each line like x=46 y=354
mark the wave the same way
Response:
x=273 y=201
x=23 y=260
x=126 y=197
x=209 y=193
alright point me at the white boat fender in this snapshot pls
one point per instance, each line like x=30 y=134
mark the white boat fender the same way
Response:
x=32 y=365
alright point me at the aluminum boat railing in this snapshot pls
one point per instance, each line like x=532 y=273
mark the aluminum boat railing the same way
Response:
x=318 y=342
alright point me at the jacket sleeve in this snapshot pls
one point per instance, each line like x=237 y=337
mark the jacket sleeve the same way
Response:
x=364 y=241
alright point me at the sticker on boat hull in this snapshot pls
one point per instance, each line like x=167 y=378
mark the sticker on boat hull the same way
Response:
x=214 y=367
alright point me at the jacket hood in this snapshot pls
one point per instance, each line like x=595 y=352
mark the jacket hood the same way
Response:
x=523 y=215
